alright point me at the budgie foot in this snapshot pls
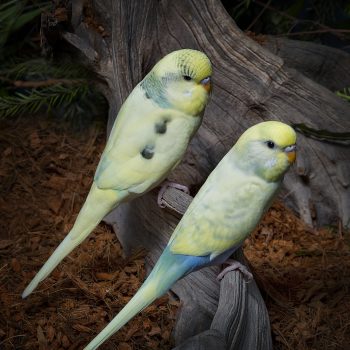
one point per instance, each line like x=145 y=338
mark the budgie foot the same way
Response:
x=167 y=184
x=235 y=265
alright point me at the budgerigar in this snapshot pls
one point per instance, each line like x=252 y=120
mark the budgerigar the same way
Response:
x=226 y=209
x=148 y=139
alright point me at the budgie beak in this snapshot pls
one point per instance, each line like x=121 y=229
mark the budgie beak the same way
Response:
x=291 y=153
x=206 y=82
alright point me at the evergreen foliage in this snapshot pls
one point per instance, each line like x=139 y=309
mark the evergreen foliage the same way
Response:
x=31 y=84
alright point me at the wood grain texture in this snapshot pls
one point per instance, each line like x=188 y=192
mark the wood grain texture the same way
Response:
x=325 y=65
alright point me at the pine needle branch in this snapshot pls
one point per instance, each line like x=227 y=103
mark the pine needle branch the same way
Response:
x=47 y=98
x=41 y=83
x=345 y=93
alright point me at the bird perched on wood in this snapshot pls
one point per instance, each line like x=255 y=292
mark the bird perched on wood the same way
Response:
x=226 y=209
x=148 y=139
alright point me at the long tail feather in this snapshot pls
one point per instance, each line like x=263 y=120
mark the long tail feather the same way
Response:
x=165 y=273
x=144 y=297
x=97 y=205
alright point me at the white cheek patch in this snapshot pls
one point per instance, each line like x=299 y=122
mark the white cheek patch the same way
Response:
x=270 y=163
x=187 y=93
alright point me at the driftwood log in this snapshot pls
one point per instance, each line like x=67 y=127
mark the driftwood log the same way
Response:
x=253 y=81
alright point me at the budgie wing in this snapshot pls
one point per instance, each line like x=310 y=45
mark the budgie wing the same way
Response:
x=140 y=156
x=218 y=219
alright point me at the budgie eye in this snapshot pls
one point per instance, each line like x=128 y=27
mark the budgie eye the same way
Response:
x=187 y=77
x=270 y=144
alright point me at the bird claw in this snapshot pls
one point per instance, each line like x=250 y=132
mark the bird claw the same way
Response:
x=165 y=185
x=235 y=265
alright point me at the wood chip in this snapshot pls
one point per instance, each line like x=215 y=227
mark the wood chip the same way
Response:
x=41 y=338
x=81 y=328
x=104 y=276
x=16 y=266
x=4 y=243
x=50 y=333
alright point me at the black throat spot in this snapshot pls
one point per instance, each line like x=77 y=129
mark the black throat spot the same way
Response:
x=161 y=127
x=148 y=152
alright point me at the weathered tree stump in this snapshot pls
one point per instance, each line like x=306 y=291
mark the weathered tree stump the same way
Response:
x=251 y=84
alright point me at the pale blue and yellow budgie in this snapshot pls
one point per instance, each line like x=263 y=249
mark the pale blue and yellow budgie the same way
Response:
x=226 y=209
x=148 y=139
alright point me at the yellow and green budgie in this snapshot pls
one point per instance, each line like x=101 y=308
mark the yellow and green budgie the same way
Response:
x=226 y=209
x=149 y=138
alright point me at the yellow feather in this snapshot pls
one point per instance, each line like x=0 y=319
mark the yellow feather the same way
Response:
x=283 y=134
x=198 y=63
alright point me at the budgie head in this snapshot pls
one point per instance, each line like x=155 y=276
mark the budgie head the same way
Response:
x=267 y=149
x=181 y=81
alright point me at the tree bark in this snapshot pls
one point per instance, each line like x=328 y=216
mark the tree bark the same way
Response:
x=251 y=84
x=325 y=65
